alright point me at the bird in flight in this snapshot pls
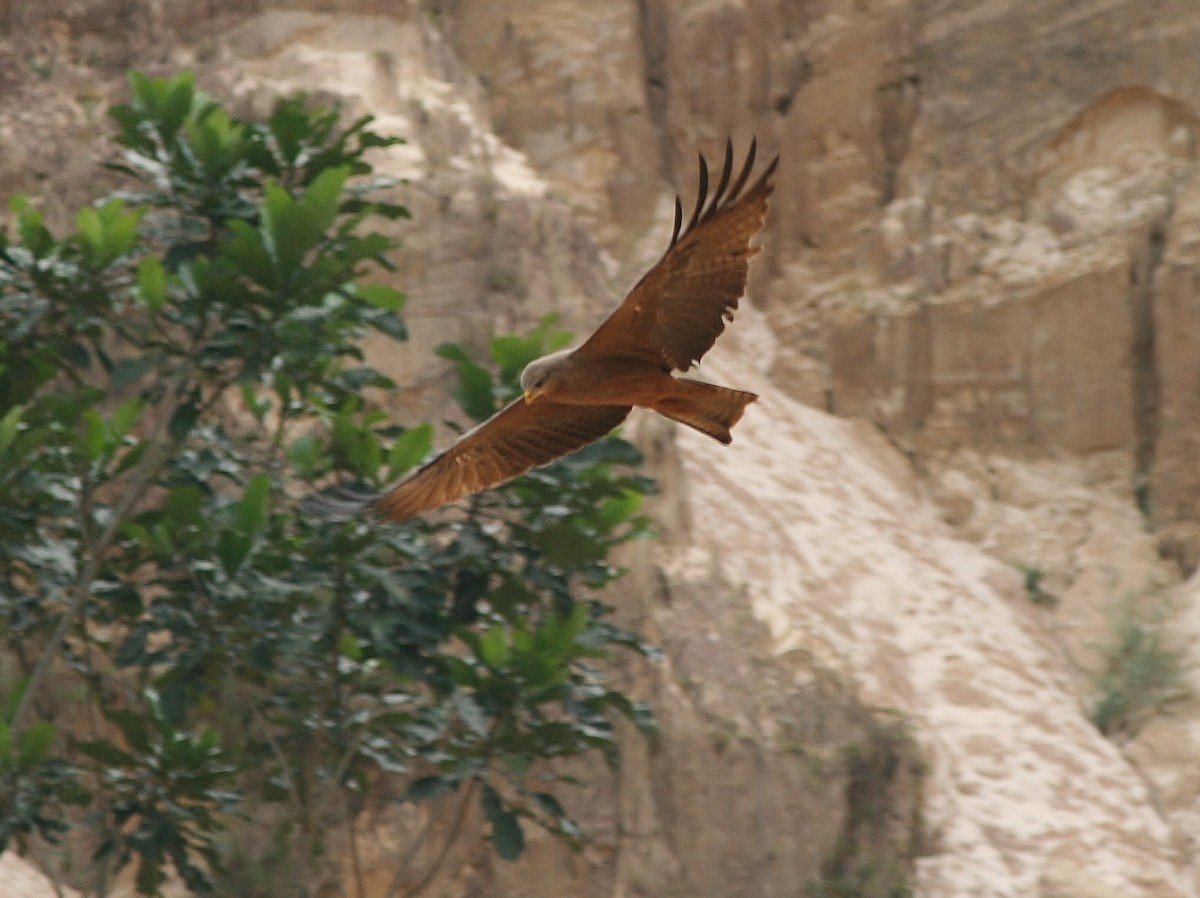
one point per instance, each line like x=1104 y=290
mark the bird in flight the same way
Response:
x=576 y=396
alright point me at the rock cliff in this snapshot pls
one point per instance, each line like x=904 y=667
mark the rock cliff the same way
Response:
x=885 y=607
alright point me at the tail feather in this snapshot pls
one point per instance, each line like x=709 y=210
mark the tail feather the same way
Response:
x=708 y=408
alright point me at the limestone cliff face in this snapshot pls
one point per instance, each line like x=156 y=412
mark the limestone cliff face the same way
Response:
x=984 y=247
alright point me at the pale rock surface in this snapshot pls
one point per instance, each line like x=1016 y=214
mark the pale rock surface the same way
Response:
x=1101 y=556
x=565 y=81
x=840 y=557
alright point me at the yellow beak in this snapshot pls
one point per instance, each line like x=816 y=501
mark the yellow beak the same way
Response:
x=531 y=395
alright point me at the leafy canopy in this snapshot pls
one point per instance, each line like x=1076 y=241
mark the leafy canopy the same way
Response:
x=181 y=649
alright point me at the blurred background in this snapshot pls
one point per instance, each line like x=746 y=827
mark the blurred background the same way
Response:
x=963 y=522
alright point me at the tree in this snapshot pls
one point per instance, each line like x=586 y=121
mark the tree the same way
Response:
x=181 y=645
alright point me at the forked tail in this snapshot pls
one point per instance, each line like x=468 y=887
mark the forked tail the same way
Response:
x=708 y=408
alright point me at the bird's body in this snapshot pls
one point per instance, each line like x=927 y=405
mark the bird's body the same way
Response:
x=570 y=378
x=575 y=396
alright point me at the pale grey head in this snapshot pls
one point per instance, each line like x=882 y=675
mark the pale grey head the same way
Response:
x=537 y=377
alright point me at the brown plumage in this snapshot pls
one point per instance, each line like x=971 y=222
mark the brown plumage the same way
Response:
x=575 y=396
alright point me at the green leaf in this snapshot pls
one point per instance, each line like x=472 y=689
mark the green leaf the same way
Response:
x=217 y=141
x=293 y=227
x=120 y=228
x=350 y=647
x=12 y=701
x=307 y=453
x=133 y=727
x=106 y=232
x=246 y=250
x=123 y=418
x=427 y=788
x=184 y=419
x=568 y=543
x=183 y=505
x=251 y=513
x=513 y=353
x=493 y=647
x=35 y=743
x=506 y=837
x=232 y=548
x=324 y=194
x=128 y=371
x=179 y=100
x=382 y=296
x=453 y=352
x=289 y=231
x=475 y=390
x=105 y=752
x=163 y=102
x=93 y=434
x=34 y=234
x=151 y=284
x=291 y=126
x=557 y=636
x=91 y=230
x=257 y=406
x=620 y=508
x=409 y=449
x=357 y=444
x=10 y=424
x=150 y=876
x=549 y=804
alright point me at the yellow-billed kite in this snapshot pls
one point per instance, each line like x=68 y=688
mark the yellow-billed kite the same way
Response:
x=575 y=396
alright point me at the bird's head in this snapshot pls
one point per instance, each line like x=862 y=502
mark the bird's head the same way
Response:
x=540 y=375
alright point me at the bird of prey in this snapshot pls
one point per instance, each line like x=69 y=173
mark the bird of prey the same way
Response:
x=576 y=396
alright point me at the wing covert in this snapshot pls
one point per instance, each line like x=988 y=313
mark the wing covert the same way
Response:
x=519 y=437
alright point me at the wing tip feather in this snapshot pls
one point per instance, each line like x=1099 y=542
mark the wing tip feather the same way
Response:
x=701 y=193
x=678 y=222
x=724 y=195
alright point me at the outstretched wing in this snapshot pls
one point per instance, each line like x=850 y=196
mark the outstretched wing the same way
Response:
x=521 y=436
x=680 y=306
